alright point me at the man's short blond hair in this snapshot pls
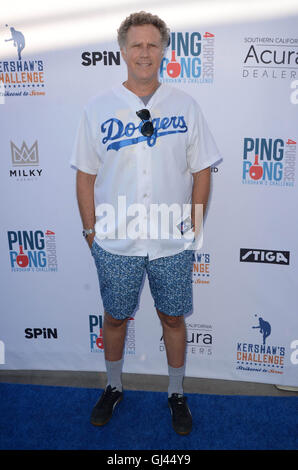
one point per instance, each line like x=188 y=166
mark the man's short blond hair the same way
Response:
x=141 y=18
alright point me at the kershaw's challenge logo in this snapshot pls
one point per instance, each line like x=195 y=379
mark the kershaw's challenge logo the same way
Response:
x=115 y=129
x=19 y=75
x=191 y=58
x=269 y=161
x=260 y=357
x=201 y=268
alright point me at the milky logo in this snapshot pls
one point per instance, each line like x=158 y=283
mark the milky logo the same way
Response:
x=115 y=130
x=190 y=58
x=25 y=162
x=24 y=155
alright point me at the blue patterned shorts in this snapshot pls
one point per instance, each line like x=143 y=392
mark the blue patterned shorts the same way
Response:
x=120 y=280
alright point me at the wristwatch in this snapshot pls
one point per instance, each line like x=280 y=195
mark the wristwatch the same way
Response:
x=87 y=232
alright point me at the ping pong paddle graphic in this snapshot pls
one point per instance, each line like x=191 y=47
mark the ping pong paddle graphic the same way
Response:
x=22 y=259
x=173 y=67
x=256 y=170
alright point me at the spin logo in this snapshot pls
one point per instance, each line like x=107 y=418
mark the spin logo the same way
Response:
x=269 y=161
x=190 y=58
x=105 y=58
x=201 y=268
x=96 y=335
x=33 y=251
x=41 y=333
x=260 y=356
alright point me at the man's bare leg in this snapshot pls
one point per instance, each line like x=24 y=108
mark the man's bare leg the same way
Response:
x=174 y=334
x=114 y=332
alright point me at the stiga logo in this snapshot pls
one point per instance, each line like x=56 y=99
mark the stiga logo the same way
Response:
x=270 y=58
x=190 y=58
x=260 y=356
x=252 y=255
x=25 y=162
x=32 y=250
x=269 y=161
x=96 y=335
x=21 y=77
x=201 y=268
x=199 y=339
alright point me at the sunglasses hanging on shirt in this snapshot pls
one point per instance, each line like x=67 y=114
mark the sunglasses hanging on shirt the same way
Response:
x=147 y=128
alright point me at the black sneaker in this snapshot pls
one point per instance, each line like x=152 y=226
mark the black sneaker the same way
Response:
x=181 y=415
x=103 y=410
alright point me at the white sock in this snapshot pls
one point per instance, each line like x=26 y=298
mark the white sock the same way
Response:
x=114 y=370
x=176 y=376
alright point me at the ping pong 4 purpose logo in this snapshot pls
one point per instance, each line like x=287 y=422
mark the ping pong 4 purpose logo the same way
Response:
x=33 y=250
x=96 y=335
x=269 y=161
x=190 y=58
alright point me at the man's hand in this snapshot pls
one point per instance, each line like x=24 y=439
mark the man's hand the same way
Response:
x=90 y=239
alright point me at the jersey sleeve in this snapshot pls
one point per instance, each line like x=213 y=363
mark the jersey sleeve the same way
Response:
x=84 y=155
x=202 y=150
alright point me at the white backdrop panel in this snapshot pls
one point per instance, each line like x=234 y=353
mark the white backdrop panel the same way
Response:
x=51 y=319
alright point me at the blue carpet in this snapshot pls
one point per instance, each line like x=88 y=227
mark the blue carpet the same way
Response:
x=35 y=417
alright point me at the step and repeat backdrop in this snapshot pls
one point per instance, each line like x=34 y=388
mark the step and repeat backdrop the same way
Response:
x=244 y=325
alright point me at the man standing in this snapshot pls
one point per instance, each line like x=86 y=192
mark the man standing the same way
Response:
x=142 y=143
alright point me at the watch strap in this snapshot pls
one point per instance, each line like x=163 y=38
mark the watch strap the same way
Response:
x=88 y=231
